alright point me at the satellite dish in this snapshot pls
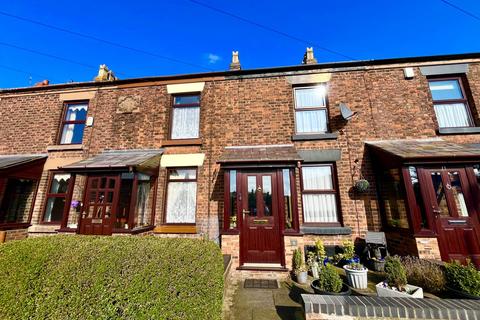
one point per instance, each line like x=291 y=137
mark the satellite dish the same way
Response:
x=347 y=114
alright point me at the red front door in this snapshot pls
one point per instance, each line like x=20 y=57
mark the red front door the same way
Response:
x=100 y=204
x=260 y=233
x=451 y=202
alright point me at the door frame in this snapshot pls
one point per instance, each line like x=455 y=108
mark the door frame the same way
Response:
x=277 y=173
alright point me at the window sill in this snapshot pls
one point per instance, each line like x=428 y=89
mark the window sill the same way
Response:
x=465 y=130
x=176 y=229
x=13 y=225
x=65 y=147
x=319 y=136
x=134 y=230
x=326 y=230
x=182 y=142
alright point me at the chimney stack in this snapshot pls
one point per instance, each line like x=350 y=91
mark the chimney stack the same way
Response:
x=308 y=57
x=235 y=65
x=104 y=74
x=42 y=83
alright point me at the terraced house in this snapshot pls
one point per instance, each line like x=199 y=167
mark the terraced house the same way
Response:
x=262 y=161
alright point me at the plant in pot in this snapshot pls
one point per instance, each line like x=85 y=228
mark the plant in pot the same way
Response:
x=348 y=254
x=396 y=283
x=362 y=185
x=299 y=267
x=463 y=281
x=356 y=275
x=329 y=282
x=313 y=265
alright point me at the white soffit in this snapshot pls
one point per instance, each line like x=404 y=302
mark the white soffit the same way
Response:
x=182 y=160
x=185 y=87
x=310 y=78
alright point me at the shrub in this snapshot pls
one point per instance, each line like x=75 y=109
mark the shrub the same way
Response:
x=424 y=273
x=298 y=261
x=463 y=278
x=396 y=275
x=348 y=250
x=320 y=249
x=86 y=277
x=329 y=280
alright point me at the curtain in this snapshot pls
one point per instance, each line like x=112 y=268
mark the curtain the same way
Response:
x=181 y=202
x=185 y=124
x=311 y=121
x=319 y=208
x=317 y=178
x=310 y=97
x=452 y=115
x=143 y=194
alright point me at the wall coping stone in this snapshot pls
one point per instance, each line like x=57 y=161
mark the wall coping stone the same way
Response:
x=402 y=308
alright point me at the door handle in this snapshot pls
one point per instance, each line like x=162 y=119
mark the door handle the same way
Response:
x=245 y=212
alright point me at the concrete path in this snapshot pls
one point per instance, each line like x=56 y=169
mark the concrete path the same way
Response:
x=268 y=304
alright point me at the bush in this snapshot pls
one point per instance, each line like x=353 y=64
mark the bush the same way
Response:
x=86 y=277
x=348 y=249
x=463 y=278
x=424 y=273
x=396 y=275
x=298 y=261
x=329 y=280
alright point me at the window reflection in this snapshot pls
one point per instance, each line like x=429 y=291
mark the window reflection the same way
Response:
x=252 y=195
x=233 y=199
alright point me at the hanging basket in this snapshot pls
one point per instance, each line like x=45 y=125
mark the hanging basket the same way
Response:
x=362 y=185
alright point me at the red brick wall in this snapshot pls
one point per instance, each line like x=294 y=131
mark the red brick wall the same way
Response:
x=247 y=111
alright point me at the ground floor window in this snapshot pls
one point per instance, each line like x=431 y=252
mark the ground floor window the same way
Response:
x=181 y=196
x=56 y=200
x=17 y=200
x=319 y=194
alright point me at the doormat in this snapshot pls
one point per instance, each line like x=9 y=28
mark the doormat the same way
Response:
x=260 y=284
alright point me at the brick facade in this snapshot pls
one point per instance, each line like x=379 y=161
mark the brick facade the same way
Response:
x=254 y=108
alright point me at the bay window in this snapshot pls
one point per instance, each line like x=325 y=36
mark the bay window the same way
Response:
x=181 y=196
x=319 y=194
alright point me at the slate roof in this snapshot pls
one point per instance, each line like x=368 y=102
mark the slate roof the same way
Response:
x=263 y=153
x=118 y=159
x=9 y=161
x=425 y=149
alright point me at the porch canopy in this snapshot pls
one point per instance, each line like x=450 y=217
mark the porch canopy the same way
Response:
x=13 y=164
x=279 y=153
x=119 y=160
x=396 y=152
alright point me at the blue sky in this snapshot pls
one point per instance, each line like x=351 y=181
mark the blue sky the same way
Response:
x=204 y=38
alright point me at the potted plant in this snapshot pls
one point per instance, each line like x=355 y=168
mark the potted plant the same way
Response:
x=377 y=264
x=299 y=267
x=330 y=283
x=463 y=281
x=348 y=254
x=396 y=283
x=312 y=263
x=362 y=185
x=356 y=275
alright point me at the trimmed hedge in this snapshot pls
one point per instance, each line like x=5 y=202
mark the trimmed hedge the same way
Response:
x=86 y=277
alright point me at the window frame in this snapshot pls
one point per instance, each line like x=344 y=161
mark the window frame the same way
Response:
x=64 y=122
x=167 y=182
x=67 y=196
x=460 y=80
x=325 y=107
x=334 y=191
x=186 y=105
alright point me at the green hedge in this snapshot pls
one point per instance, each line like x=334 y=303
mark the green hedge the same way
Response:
x=85 y=277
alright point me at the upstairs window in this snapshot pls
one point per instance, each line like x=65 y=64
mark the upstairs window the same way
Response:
x=185 y=117
x=311 y=110
x=319 y=194
x=450 y=103
x=73 y=123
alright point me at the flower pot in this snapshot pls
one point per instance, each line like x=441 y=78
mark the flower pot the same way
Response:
x=302 y=277
x=377 y=265
x=346 y=291
x=362 y=185
x=357 y=278
x=412 y=292
x=461 y=294
x=314 y=269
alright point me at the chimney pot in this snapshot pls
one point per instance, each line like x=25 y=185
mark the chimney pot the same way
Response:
x=235 y=65
x=42 y=83
x=105 y=74
x=308 y=57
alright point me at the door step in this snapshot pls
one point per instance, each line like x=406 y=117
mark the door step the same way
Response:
x=263 y=267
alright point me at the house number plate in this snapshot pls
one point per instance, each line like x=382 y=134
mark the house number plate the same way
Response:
x=260 y=221
x=96 y=220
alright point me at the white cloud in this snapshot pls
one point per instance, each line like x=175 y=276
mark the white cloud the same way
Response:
x=213 y=58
